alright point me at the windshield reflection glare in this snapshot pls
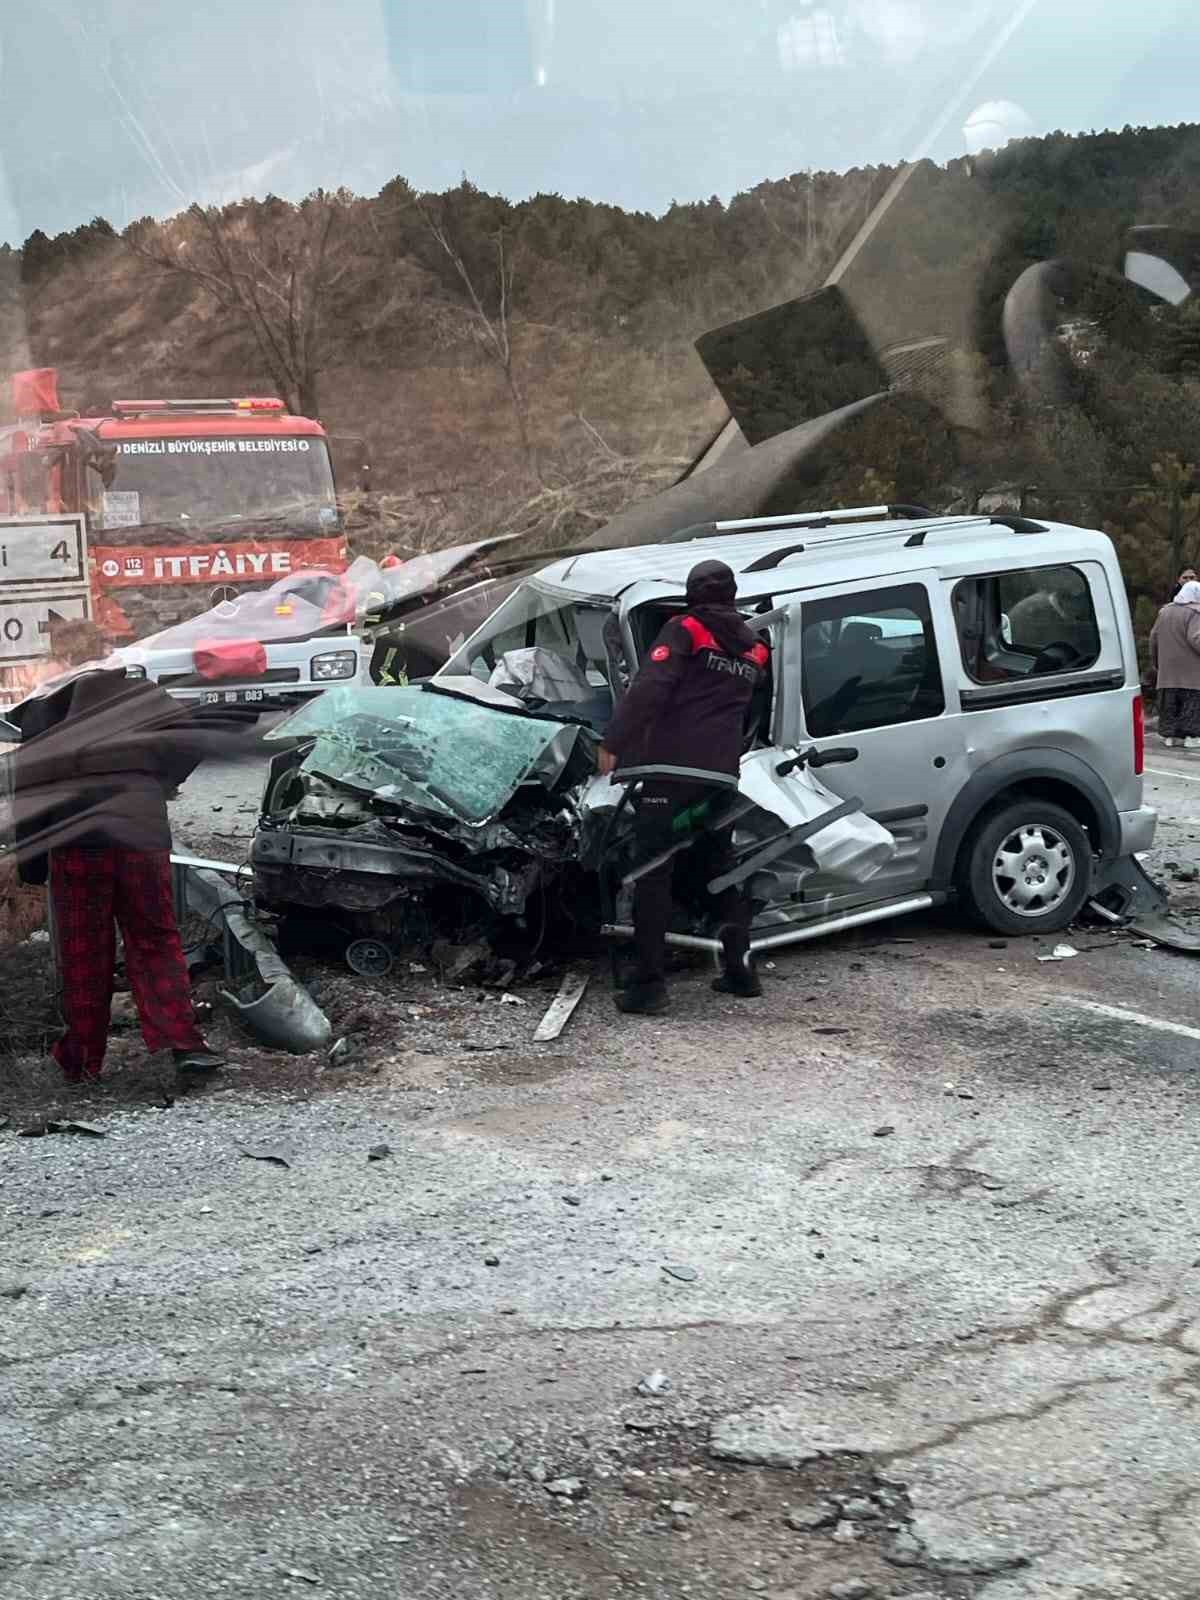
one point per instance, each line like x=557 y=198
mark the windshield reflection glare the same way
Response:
x=422 y=982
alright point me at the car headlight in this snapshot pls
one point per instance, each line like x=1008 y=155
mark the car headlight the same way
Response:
x=334 y=664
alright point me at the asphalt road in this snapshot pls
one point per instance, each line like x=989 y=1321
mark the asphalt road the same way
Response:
x=930 y=1211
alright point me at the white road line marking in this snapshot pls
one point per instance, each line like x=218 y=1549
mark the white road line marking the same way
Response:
x=1119 y=1014
x=1184 y=777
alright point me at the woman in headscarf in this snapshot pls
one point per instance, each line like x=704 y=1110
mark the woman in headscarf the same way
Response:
x=1175 y=658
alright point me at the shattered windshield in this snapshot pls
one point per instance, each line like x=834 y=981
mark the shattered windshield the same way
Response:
x=555 y=652
x=435 y=751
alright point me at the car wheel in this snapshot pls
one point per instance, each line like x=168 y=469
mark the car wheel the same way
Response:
x=1026 y=868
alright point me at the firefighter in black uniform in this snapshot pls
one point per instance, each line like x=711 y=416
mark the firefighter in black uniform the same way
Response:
x=679 y=729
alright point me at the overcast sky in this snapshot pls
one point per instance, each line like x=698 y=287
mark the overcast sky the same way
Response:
x=128 y=107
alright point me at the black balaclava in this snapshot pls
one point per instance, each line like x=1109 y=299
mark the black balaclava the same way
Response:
x=711 y=593
x=711 y=583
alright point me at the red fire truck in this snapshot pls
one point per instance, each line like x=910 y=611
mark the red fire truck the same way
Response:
x=186 y=503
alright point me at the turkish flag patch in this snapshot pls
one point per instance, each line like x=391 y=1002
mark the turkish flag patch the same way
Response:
x=660 y=652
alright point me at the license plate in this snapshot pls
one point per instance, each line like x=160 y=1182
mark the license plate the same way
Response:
x=234 y=697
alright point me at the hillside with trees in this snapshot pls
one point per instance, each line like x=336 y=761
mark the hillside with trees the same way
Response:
x=532 y=366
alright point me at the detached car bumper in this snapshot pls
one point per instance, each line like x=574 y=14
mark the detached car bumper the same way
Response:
x=1137 y=830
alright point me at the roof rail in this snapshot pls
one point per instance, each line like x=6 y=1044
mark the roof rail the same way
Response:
x=820 y=519
x=798 y=519
x=775 y=558
x=1017 y=524
x=1020 y=524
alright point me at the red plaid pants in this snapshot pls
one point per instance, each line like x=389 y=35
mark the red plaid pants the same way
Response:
x=92 y=892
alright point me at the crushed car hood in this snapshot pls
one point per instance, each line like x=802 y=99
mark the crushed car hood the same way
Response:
x=457 y=754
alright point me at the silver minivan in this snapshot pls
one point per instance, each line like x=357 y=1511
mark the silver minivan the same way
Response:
x=983 y=667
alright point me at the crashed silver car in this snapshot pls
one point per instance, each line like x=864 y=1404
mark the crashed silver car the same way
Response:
x=471 y=802
x=412 y=810
x=969 y=683
x=452 y=806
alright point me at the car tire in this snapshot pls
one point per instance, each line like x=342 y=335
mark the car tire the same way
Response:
x=1026 y=868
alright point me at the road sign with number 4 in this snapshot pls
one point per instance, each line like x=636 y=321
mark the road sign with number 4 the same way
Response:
x=42 y=552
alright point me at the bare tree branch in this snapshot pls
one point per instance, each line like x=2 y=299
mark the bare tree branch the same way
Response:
x=274 y=271
x=494 y=333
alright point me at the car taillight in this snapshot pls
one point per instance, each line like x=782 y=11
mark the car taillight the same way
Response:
x=1139 y=735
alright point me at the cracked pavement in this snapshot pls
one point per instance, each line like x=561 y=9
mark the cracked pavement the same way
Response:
x=226 y=1376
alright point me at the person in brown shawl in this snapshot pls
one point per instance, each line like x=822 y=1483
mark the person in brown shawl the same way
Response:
x=1175 y=660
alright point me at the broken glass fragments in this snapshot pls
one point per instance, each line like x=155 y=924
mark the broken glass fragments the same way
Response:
x=433 y=751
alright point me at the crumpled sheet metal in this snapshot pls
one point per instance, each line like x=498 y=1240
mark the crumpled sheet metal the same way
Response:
x=286 y=1017
x=1166 y=932
x=853 y=848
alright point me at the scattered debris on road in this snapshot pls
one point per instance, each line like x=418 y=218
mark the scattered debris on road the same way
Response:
x=808 y=1519
x=567 y=1488
x=683 y=1273
x=1061 y=952
x=655 y=1382
x=266 y=998
x=274 y=1158
x=1168 y=932
x=562 y=1007
x=47 y=1125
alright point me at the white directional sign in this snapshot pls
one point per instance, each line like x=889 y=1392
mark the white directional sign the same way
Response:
x=42 y=553
x=25 y=621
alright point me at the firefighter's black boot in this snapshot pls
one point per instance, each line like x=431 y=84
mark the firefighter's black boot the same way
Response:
x=738 y=976
x=646 y=998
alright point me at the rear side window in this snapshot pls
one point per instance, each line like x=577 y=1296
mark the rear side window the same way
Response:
x=869 y=660
x=1026 y=624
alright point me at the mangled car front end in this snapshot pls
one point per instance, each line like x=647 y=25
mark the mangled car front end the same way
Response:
x=402 y=810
